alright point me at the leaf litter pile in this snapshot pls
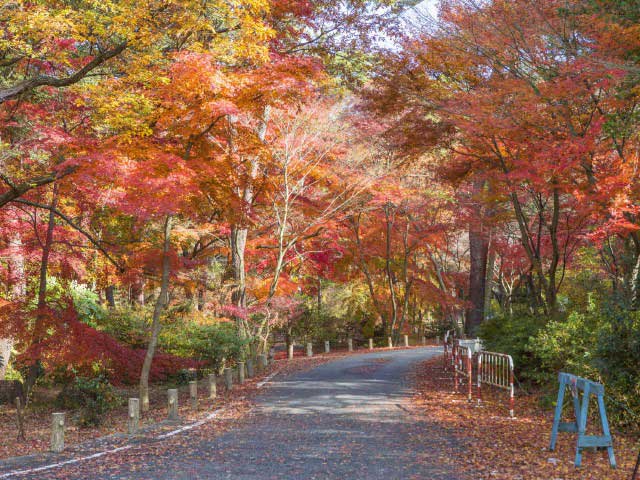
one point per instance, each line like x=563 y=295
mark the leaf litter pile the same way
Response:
x=493 y=446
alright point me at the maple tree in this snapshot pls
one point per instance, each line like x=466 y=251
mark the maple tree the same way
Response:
x=240 y=163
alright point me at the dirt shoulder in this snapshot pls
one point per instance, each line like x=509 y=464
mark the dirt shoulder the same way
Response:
x=498 y=447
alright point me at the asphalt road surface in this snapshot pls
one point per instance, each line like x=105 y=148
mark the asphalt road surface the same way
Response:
x=347 y=419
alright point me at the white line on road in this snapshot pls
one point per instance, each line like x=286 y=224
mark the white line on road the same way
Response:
x=66 y=462
x=267 y=380
x=191 y=426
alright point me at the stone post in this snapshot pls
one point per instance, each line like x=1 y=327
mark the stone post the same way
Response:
x=350 y=344
x=250 y=370
x=390 y=343
x=309 y=349
x=193 y=394
x=371 y=344
x=290 y=351
x=57 y=432
x=262 y=361
x=228 y=378
x=213 y=391
x=327 y=346
x=172 y=409
x=424 y=341
x=406 y=340
x=241 y=372
x=133 y=422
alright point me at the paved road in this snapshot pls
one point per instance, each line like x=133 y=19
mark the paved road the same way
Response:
x=342 y=420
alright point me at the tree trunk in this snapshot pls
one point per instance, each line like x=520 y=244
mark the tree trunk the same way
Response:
x=389 y=217
x=160 y=304
x=109 y=293
x=478 y=250
x=488 y=287
x=39 y=329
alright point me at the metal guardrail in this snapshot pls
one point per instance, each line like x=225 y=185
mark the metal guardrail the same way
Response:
x=496 y=370
x=463 y=367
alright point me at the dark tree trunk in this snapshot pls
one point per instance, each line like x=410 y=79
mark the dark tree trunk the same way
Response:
x=110 y=295
x=478 y=252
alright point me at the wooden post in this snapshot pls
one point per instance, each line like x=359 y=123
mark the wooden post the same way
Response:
x=406 y=340
x=133 y=422
x=172 y=407
x=250 y=369
x=390 y=343
x=309 y=349
x=213 y=391
x=193 y=394
x=290 y=351
x=350 y=344
x=371 y=344
x=327 y=346
x=262 y=361
x=228 y=378
x=20 y=420
x=57 y=432
x=240 y=372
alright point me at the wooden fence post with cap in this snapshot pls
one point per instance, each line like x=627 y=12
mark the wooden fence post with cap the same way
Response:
x=57 y=432
x=172 y=407
x=193 y=394
x=133 y=421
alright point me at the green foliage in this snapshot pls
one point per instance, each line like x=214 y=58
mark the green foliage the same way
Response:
x=510 y=334
x=93 y=397
x=87 y=304
x=600 y=341
x=128 y=325
x=211 y=342
x=566 y=345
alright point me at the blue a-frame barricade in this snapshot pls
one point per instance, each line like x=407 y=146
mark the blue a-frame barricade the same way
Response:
x=581 y=391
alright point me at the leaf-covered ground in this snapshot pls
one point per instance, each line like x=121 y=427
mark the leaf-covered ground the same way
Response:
x=499 y=448
x=38 y=417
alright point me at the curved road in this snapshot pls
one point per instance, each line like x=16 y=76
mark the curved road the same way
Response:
x=342 y=420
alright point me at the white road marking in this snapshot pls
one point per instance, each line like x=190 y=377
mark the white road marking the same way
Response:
x=66 y=462
x=267 y=380
x=163 y=436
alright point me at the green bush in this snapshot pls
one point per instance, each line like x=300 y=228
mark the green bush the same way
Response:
x=212 y=343
x=510 y=334
x=93 y=397
x=601 y=343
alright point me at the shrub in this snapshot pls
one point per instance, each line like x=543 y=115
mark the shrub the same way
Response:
x=211 y=343
x=510 y=334
x=93 y=397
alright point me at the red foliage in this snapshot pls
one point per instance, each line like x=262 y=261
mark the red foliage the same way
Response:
x=71 y=344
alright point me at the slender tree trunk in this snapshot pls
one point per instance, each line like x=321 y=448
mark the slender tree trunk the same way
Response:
x=160 y=304
x=355 y=224
x=238 y=296
x=389 y=271
x=39 y=327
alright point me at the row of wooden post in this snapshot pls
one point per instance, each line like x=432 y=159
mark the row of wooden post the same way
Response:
x=245 y=370
x=327 y=345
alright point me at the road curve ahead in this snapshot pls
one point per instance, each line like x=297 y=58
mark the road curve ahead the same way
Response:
x=342 y=420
